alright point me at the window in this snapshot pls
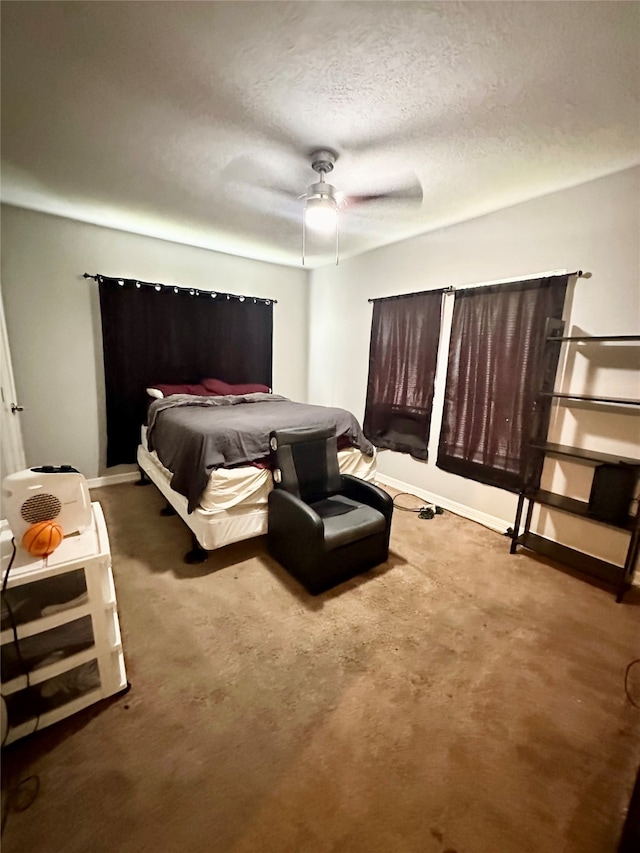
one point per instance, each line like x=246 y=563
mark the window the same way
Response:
x=402 y=363
x=160 y=334
x=494 y=364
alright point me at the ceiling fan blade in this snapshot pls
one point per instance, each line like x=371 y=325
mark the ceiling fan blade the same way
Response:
x=397 y=188
x=276 y=203
x=411 y=197
x=268 y=170
x=407 y=198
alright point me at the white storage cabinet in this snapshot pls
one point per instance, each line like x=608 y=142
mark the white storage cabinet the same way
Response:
x=63 y=610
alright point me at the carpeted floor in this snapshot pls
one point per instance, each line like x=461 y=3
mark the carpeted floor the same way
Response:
x=456 y=699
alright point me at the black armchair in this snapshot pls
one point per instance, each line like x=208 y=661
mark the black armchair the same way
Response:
x=324 y=526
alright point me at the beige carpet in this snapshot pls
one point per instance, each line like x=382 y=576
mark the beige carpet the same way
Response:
x=456 y=699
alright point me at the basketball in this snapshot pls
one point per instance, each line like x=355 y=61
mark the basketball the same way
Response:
x=43 y=538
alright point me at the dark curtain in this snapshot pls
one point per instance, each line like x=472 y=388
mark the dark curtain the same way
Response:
x=405 y=332
x=497 y=362
x=160 y=336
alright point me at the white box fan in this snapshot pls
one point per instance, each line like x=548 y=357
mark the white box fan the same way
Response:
x=58 y=493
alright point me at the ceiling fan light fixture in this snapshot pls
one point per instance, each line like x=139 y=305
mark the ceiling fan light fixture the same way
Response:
x=321 y=204
x=321 y=214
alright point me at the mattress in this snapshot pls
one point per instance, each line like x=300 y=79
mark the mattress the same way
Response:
x=211 y=528
x=195 y=435
x=250 y=486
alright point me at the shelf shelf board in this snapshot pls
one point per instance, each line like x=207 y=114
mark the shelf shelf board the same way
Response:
x=582 y=454
x=576 y=507
x=40 y=674
x=34 y=724
x=608 y=572
x=46 y=623
x=595 y=338
x=616 y=401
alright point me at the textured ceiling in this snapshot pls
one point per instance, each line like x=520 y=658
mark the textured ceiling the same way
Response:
x=193 y=122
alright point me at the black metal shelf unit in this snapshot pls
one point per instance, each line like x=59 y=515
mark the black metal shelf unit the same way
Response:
x=620 y=577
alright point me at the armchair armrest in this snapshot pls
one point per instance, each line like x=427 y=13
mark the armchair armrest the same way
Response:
x=289 y=509
x=367 y=493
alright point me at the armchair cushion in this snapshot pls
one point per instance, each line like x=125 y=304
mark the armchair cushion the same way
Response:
x=346 y=521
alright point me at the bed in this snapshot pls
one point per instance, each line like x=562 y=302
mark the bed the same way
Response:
x=209 y=457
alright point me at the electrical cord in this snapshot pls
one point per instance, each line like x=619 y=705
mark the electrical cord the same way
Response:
x=22 y=795
x=16 y=642
x=13 y=556
x=422 y=511
x=626 y=682
x=31 y=690
x=15 y=633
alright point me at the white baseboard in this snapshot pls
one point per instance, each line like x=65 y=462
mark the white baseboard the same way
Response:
x=114 y=479
x=490 y=521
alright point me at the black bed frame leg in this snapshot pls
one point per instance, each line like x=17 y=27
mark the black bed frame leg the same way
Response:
x=197 y=554
x=168 y=510
x=144 y=480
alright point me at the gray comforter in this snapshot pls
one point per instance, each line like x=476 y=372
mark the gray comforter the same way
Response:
x=194 y=435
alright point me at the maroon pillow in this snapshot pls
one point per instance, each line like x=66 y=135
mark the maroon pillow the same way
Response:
x=217 y=386
x=197 y=390
x=250 y=389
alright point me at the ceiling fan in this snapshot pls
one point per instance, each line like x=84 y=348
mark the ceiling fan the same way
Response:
x=322 y=202
x=380 y=193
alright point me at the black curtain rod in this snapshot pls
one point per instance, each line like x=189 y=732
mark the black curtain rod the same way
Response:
x=577 y=273
x=415 y=293
x=193 y=291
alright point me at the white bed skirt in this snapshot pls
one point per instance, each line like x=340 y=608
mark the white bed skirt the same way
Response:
x=235 y=500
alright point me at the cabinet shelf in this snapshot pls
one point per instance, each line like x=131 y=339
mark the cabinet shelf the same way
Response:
x=44 y=673
x=38 y=626
x=610 y=573
x=576 y=507
x=60 y=639
x=584 y=455
x=594 y=338
x=34 y=724
x=590 y=398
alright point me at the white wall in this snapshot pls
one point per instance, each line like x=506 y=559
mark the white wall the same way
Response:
x=53 y=321
x=594 y=227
